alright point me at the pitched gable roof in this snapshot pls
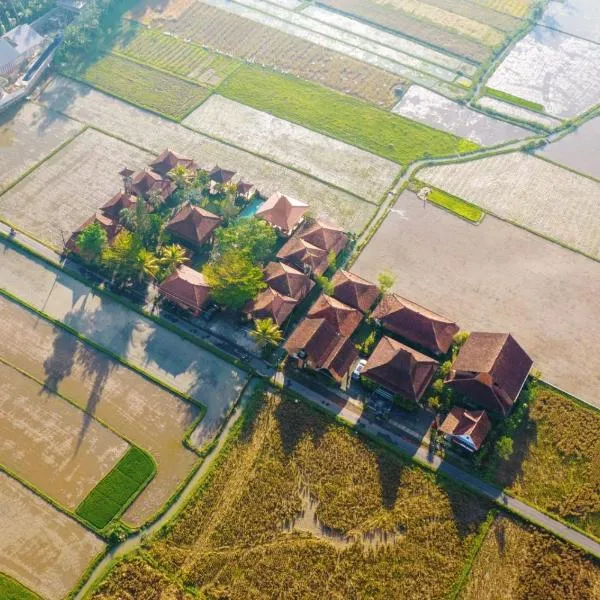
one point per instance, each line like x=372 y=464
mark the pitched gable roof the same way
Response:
x=472 y=423
x=186 y=287
x=219 y=175
x=325 y=236
x=271 y=304
x=342 y=317
x=354 y=290
x=193 y=224
x=282 y=211
x=146 y=182
x=415 y=323
x=300 y=252
x=169 y=159
x=287 y=280
x=400 y=369
x=111 y=227
x=117 y=203
x=491 y=368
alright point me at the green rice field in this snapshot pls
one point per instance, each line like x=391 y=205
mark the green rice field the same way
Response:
x=13 y=590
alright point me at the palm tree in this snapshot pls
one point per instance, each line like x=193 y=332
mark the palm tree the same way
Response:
x=172 y=257
x=266 y=333
x=180 y=176
x=146 y=265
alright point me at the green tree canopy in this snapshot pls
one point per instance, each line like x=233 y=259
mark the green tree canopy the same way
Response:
x=91 y=242
x=120 y=258
x=504 y=447
x=266 y=333
x=253 y=236
x=385 y=281
x=234 y=278
x=172 y=257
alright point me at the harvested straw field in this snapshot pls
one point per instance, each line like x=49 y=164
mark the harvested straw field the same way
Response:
x=50 y=443
x=516 y=8
x=556 y=463
x=27 y=135
x=68 y=188
x=148 y=415
x=520 y=562
x=529 y=191
x=153 y=132
x=243 y=38
x=323 y=157
x=300 y=503
x=41 y=547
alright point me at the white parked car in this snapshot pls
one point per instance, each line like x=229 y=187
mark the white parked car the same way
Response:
x=360 y=365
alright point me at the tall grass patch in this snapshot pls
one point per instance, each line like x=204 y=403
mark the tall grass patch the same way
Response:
x=117 y=490
x=339 y=116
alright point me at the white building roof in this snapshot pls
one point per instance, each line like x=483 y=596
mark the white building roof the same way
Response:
x=23 y=38
x=7 y=53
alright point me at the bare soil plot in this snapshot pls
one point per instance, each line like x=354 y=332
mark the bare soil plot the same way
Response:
x=496 y=277
x=427 y=32
x=243 y=38
x=69 y=187
x=141 y=411
x=29 y=134
x=50 y=443
x=40 y=546
x=579 y=150
x=518 y=561
x=153 y=132
x=330 y=160
x=558 y=71
x=529 y=191
x=580 y=18
x=432 y=109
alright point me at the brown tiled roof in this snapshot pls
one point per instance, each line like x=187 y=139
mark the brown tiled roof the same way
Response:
x=169 y=159
x=324 y=347
x=186 y=287
x=246 y=189
x=325 y=236
x=271 y=304
x=193 y=224
x=282 y=212
x=415 y=323
x=491 y=369
x=111 y=226
x=219 y=175
x=117 y=203
x=354 y=290
x=472 y=423
x=342 y=317
x=126 y=172
x=301 y=253
x=287 y=280
x=400 y=369
x=145 y=182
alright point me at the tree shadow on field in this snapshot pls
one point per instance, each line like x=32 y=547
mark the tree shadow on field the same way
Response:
x=390 y=473
x=59 y=364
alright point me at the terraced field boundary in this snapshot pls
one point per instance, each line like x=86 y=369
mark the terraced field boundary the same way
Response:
x=11 y=589
x=117 y=490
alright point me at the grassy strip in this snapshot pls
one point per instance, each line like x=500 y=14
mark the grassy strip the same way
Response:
x=456 y=205
x=342 y=117
x=165 y=94
x=11 y=589
x=115 y=492
x=506 y=97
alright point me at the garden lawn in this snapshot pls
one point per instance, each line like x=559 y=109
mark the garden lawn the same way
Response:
x=143 y=86
x=11 y=589
x=456 y=205
x=117 y=490
x=556 y=462
x=339 y=116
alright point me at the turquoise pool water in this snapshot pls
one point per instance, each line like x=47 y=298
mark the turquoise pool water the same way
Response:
x=250 y=209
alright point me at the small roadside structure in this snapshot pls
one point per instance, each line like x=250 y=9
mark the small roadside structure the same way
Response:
x=415 y=324
x=111 y=226
x=270 y=304
x=317 y=345
x=147 y=182
x=354 y=290
x=246 y=190
x=17 y=46
x=186 y=288
x=305 y=256
x=466 y=428
x=169 y=159
x=287 y=280
x=343 y=318
x=282 y=212
x=400 y=369
x=117 y=203
x=193 y=225
x=491 y=370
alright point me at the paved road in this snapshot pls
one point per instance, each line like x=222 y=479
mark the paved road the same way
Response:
x=350 y=412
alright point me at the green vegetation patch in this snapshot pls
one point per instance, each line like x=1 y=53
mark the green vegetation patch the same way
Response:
x=556 y=459
x=143 y=86
x=343 y=117
x=10 y=589
x=174 y=55
x=506 y=97
x=460 y=207
x=116 y=491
